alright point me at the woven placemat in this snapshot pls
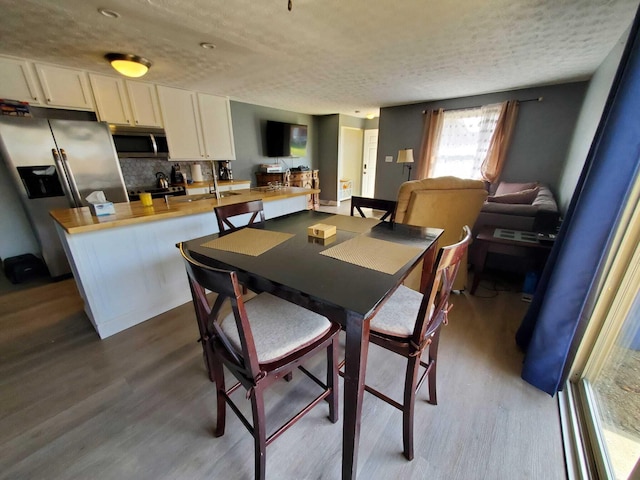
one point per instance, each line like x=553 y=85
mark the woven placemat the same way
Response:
x=374 y=254
x=249 y=241
x=351 y=224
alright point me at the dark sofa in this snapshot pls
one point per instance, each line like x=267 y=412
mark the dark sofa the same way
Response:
x=541 y=215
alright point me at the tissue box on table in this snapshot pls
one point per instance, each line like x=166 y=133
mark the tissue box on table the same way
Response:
x=99 y=205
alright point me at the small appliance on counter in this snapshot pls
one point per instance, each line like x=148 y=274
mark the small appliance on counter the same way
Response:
x=271 y=168
x=225 y=172
x=177 y=176
x=161 y=180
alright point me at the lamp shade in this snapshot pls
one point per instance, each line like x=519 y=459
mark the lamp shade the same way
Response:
x=405 y=156
x=128 y=65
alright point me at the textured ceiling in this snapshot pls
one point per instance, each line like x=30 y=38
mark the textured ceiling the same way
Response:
x=327 y=56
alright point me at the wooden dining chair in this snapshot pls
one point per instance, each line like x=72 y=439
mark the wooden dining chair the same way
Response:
x=259 y=342
x=225 y=212
x=387 y=206
x=409 y=324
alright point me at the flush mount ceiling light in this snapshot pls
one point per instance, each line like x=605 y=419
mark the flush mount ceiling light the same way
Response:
x=207 y=45
x=128 y=65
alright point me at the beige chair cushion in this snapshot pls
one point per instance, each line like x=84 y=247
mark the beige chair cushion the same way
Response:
x=279 y=327
x=398 y=315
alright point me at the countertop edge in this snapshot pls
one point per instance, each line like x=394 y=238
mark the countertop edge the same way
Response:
x=80 y=220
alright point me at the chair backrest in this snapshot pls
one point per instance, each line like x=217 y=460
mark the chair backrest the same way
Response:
x=444 y=202
x=388 y=206
x=435 y=301
x=225 y=284
x=225 y=212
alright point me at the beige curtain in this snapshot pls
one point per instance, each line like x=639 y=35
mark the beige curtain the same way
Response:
x=433 y=120
x=497 y=152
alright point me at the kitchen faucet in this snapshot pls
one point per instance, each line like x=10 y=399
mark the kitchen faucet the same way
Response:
x=215 y=181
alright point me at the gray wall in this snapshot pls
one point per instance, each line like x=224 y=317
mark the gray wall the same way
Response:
x=539 y=146
x=249 y=123
x=588 y=121
x=328 y=133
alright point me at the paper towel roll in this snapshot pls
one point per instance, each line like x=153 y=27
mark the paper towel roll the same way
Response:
x=196 y=172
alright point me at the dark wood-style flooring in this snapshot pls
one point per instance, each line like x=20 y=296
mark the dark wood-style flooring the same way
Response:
x=138 y=405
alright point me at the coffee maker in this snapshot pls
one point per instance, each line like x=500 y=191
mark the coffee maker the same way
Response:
x=224 y=171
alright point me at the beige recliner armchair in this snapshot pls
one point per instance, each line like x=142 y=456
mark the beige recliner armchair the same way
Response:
x=444 y=202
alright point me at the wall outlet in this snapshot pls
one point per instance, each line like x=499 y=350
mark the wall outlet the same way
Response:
x=388 y=158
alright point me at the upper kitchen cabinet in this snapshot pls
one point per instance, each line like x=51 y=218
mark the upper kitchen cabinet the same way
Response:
x=125 y=103
x=111 y=99
x=198 y=126
x=143 y=100
x=215 y=114
x=17 y=82
x=181 y=118
x=64 y=87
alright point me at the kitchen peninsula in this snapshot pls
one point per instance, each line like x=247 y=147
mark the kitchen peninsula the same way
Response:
x=126 y=266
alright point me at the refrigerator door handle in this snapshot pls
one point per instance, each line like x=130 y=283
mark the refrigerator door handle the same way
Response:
x=64 y=181
x=72 y=181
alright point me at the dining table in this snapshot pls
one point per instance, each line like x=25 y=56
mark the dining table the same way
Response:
x=346 y=277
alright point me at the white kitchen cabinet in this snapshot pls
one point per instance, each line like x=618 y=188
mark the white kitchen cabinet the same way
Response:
x=64 y=87
x=17 y=82
x=143 y=101
x=197 y=190
x=197 y=125
x=223 y=187
x=111 y=99
x=181 y=118
x=217 y=130
x=122 y=102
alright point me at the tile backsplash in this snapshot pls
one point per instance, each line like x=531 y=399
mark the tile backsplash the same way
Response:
x=141 y=172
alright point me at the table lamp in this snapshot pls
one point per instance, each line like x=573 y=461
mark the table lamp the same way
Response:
x=406 y=156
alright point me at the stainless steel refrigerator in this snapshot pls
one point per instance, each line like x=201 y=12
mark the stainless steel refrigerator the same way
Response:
x=56 y=164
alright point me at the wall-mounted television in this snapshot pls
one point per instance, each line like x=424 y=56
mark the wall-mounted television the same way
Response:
x=286 y=139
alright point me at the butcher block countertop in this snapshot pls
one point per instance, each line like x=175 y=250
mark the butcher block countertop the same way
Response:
x=221 y=183
x=80 y=220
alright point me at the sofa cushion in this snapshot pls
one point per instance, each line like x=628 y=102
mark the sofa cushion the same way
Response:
x=524 y=197
x=507 y=187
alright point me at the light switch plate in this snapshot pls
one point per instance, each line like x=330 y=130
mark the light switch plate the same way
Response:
x=388 y=158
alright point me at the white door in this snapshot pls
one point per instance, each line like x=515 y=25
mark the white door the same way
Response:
x=369 y=155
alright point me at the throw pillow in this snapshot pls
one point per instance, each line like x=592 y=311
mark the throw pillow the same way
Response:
x=506 y=187
x=524 y=197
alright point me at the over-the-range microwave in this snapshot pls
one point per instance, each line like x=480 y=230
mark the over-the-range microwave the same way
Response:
x=139 y=142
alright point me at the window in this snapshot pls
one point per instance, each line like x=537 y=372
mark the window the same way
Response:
x=464 y=141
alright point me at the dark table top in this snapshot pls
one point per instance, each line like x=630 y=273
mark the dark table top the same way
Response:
x=297 y=264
